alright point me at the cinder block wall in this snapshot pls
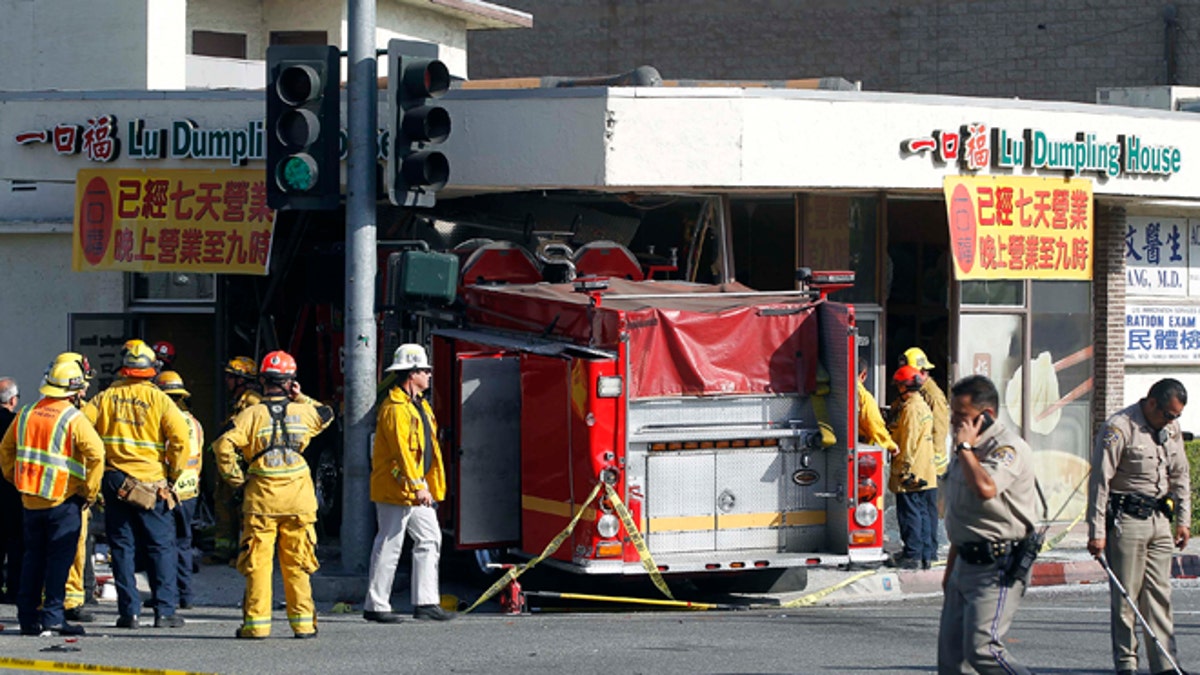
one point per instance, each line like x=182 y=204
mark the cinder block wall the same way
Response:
x=1033 y=49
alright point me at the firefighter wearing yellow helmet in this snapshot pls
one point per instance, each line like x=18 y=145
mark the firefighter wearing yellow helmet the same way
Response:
x=54 y=457
x=935 y=398
x=187 y=485
x=73 y=605
x=240 y=374
x=280 y=507
x=145 y=442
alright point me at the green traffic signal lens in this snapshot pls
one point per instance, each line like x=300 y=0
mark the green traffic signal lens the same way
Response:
x=297 y=173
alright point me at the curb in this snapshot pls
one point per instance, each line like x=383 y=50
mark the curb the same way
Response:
x=1048 y=573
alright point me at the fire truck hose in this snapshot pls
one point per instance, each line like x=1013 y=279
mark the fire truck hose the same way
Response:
x=635 y=537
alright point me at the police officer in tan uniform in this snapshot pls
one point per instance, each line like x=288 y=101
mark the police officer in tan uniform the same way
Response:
x=1138 y=508
x=991 y=500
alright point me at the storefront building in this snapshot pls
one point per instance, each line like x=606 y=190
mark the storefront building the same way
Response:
x=1003 y=237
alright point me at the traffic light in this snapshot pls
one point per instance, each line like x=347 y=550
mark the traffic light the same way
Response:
x=415 y=78
x=303 y=116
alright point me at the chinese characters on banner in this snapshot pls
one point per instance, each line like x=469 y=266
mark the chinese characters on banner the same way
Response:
x=1162 y=334
x=1015 y=227
x=172 y=221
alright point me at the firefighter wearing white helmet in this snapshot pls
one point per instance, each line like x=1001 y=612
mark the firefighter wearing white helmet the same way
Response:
x=280 y=507
x=187 y=485
x=935 y=398
x=145 y=444
x=407 y=481
x=55 y=458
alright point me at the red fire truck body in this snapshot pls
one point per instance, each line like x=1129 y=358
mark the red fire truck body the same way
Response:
x=702 y=405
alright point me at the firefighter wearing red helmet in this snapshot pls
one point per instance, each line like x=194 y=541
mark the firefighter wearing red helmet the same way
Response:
x=55 y=459
x=165 y=351
x=145 y=450
x=913 y=476
x=280 y=503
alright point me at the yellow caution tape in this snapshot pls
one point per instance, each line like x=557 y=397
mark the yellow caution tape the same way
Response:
x=8 y=663
x=812 y=598
x=635 y=538
x=517 y=571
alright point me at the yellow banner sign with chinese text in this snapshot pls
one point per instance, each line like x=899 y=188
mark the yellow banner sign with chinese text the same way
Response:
x=1016 y=227
x=172 y=221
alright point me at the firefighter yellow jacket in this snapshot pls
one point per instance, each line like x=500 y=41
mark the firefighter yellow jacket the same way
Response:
x=397 y=460
x=278 y=483
x=935 y=398
x=871 y=427
x=143 y=430
x=189 y=488
x=82 y=444
x=913 y=470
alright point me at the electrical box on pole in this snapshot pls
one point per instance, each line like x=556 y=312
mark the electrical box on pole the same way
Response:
x=416 y=78
x=303 y=127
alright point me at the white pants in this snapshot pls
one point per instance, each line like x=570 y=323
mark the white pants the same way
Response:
x=422 y=525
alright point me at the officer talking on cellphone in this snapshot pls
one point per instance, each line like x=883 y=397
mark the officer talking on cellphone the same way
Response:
x=991 y=497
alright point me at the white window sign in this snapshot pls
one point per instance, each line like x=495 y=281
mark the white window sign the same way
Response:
x=1156 y=256
x=1162 y=334
x=1194 y=259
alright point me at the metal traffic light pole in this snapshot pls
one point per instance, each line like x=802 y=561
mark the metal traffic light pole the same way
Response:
x=358 y=523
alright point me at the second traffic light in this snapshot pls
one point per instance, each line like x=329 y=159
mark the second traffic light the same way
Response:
x=303 y=127
x=416 y=77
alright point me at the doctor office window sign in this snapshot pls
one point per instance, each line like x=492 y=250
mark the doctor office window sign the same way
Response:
x=1018 y=227
x=1162 y=264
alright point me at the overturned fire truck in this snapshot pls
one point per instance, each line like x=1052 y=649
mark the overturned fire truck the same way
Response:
x=724 y=418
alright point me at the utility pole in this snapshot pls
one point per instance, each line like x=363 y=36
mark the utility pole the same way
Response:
x=360 y=358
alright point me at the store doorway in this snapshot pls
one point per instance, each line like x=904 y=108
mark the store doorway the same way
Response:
x=193 y=337
x=918 y=284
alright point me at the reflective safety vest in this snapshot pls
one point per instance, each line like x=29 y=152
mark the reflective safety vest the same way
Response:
x=45 y=450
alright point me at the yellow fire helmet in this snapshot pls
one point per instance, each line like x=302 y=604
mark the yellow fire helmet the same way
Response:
x=242 y=366
x=171 y=383
x=138 y=360
x=88 y=372
x=63 y=380
x=913 y=356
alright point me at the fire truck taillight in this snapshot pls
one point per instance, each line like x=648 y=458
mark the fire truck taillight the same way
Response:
x=862 y=537
x=867 y=490
x=609 y=549
x=608 y=386
x=607 y=526
x=865 y=515
x=867 y=464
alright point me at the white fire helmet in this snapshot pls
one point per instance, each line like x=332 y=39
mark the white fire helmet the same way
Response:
x=408 y=357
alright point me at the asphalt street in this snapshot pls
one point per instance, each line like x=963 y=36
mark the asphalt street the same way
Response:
x=1059 y=630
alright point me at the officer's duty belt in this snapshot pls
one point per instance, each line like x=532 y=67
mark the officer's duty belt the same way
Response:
x=985 y=552
x=1138 y=505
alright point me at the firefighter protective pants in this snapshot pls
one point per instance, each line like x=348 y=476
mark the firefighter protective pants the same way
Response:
x=130 y=528
x=297 y=541
x=421 y=524
x=977 y=611
x=1139 y=553
x=184 y=513
x=75 y=594
x=51 y=536
x=227 y=512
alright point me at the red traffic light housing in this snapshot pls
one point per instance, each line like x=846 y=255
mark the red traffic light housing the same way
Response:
x=415 y=78
x=303 y=127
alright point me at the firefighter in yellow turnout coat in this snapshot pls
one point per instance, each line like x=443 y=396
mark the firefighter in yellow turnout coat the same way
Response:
x=54 y=457
x=280 y=503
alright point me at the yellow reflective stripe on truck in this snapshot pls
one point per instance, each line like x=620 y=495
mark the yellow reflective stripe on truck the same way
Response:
x=737 y=521
x=554 y=507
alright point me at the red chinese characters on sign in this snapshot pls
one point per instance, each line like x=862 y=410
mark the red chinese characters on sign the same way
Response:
x=186 y=220
x=1026 y=227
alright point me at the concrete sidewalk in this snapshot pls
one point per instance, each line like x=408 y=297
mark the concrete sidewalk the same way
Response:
x=1067 y=562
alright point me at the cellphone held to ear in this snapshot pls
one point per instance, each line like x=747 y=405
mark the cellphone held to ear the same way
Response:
x=987 y=421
